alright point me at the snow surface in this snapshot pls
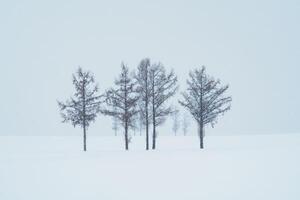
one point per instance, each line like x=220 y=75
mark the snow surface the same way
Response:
x=231 y=167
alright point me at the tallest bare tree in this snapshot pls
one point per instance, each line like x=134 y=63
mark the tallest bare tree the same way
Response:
x=82 y=109
x=144 y=90
x=205 y=99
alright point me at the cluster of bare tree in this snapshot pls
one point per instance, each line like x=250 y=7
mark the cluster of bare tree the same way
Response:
x=141 y=99
x=180 y=122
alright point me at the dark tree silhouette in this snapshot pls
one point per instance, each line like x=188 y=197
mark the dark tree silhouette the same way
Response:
x=121 y=102
x=205 y=99
x=163 y=87
x=144 y=89
x=83 y=107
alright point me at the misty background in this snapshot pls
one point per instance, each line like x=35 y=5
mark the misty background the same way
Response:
x=252 y=45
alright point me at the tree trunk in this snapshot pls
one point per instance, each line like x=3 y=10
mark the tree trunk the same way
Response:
x=126 y=117
x=201 y=135
x=201 y=117
x=147 y=115
x=126 y=136
x=84 y=119
x=84 y=137
x=154 y=138
x=147 y=134
x=154 y=130
x=153 y=115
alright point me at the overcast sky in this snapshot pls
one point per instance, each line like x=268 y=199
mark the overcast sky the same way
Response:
x=252 y=45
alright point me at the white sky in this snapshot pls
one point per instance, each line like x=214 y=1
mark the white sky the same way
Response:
x=252 y=45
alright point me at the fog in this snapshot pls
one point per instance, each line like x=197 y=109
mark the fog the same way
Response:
x=253 y=46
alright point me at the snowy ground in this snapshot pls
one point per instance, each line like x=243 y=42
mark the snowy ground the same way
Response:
x=231 y=167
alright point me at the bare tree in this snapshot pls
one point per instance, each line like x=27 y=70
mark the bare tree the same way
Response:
x=121 y=102
x=205 y=99
x=144 y=89
x=83 y=107
x=185 y=123
x=176 y=123
x=163 y=87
